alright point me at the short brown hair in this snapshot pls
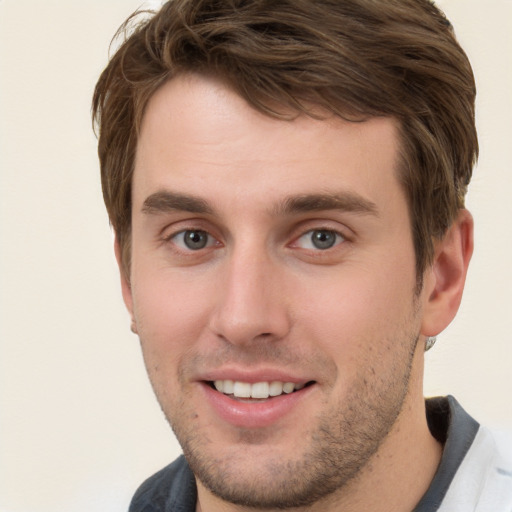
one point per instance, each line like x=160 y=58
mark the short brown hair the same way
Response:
x=353 y=58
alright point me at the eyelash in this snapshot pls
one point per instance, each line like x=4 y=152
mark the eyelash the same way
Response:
x=172 y=238
x=211 y=241
x=338 y=239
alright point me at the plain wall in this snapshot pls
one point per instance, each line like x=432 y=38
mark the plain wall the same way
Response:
x=79 y=427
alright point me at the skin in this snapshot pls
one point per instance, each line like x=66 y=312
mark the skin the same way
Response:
x=261 y=299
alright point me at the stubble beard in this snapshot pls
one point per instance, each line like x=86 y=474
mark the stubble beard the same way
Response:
x=332 y=456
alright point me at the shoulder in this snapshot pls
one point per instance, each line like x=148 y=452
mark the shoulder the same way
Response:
x=170 y=489
x=500 y=442
x=503 y=443
x=484 y=479
x=475 y=472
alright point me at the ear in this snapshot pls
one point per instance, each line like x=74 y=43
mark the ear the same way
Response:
x=445 y=279
x=125 y=282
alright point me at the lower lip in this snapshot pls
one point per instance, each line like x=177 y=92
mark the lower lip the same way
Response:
x=257 y=414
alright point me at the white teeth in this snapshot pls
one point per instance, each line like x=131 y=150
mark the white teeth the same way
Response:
x=260 y=390
x=288 y=387
x=228 y=387
x=276 y=388
x=242 y=390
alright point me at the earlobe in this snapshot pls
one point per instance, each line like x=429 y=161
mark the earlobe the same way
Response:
x=446 y=277
x=125 y=283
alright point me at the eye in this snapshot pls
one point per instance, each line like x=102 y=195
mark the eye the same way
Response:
x=319 y=239
x=193 y=239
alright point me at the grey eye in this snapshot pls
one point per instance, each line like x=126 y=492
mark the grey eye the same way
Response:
x=323 y=239
x=320 y=239
x=193 y=239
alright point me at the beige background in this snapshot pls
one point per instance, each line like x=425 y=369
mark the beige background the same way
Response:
x=79 y=426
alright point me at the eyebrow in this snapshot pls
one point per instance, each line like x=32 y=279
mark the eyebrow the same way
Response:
x=343 y=201
x=165 y=201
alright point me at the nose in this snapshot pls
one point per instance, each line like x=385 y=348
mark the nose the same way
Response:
x=252 y=303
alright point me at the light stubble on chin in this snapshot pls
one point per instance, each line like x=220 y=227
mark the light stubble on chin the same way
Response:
x=333 y=454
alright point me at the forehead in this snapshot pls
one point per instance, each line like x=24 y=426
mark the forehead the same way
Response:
x=198 y=136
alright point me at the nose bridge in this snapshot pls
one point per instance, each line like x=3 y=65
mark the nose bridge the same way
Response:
x=250 y=304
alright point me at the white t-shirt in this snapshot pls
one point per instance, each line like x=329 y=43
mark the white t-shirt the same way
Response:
x=483 y=482
x=475 y=473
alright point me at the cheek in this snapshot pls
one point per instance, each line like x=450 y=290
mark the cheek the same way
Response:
x=357 y=315
x=171 y=312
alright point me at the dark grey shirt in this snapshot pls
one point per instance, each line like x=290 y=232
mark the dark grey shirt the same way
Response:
x=173 y=489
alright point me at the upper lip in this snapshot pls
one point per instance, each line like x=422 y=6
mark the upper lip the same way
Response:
x=253 y=376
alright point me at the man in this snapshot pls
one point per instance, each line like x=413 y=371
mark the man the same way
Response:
x=286 y=182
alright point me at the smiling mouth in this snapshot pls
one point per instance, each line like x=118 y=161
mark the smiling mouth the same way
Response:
x=257 y=390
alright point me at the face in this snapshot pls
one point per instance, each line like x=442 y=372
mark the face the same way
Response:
x=272 y=287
